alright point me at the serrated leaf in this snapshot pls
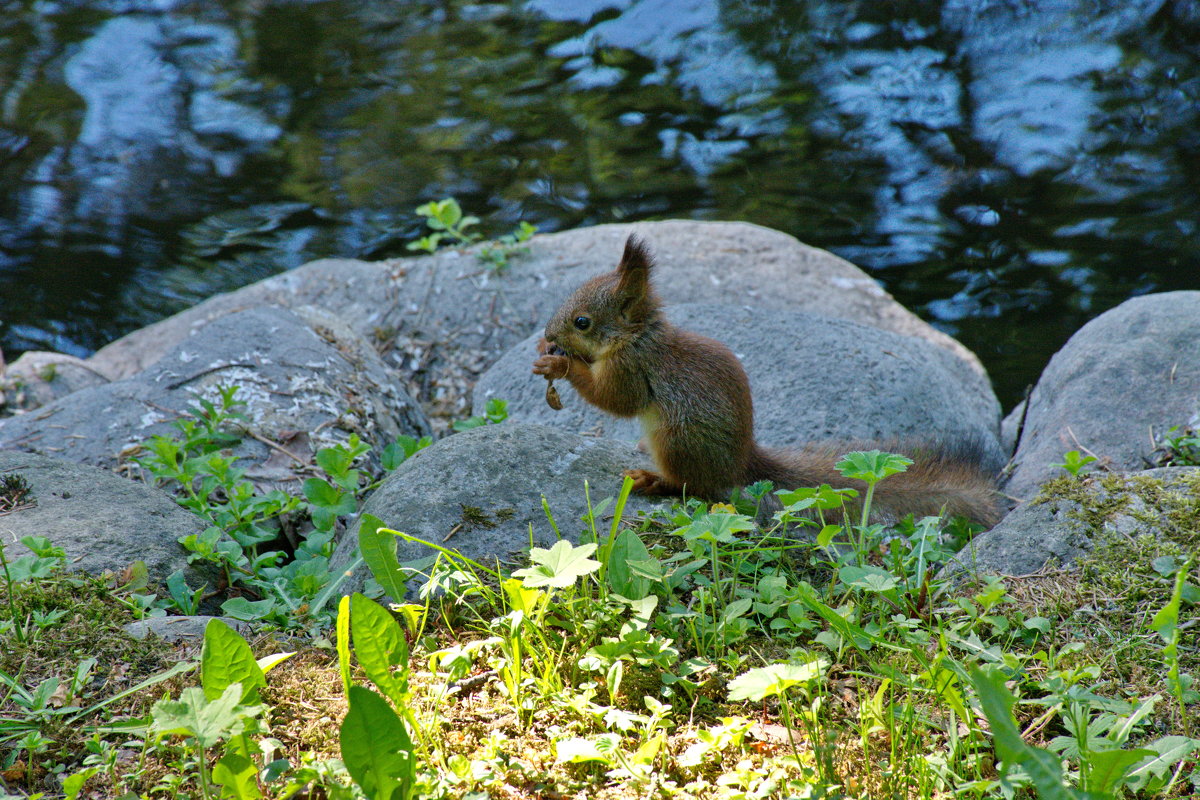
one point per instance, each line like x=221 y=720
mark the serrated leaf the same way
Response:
x=578 y=751
x=560 y=566
x=1165 y=753
x=719 y=527
x=773 y=680
x=334 y=460
x=872 y=465
x=208 y=721
x=238 y=776
x=873 y=579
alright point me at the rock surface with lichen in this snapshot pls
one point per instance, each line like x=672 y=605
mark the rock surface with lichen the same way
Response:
x=305 y=380
x=1071 y=516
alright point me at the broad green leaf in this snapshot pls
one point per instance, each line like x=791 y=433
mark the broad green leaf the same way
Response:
x=1165 y=753
x=247 y=610
x=1108 y=768
x=650 y=569
x=762 y=682
x=139 y=577
x=238 y=776
x=376 y=747
x=560 y=566
x=738 y=608
x=378 y=548
x=73 y=783
x=825 y=537
x=650 y=749
x=401 y=450
x=336 y=461
x=209 y=722
x=873 y=579
x=642 y=608
x=321 y=492
x=873 y=465
x=226 y=659
x=522 y=598
x=823 y=498
x=328 y=497
x=448 y=212
x=623 y=577
x=380 y=646
x=717 y=527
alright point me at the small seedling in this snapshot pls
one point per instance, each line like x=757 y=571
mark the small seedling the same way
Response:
x=494 y=413
x=449 y=225
x=446 y=219
x=1179 y=447
x=1074 y=462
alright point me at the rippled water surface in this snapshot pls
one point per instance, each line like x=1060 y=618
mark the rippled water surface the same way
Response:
x=1007 y=169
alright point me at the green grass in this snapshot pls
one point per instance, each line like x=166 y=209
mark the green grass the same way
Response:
x=698 y=652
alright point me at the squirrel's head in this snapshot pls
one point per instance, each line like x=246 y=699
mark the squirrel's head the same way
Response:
x=608 y=310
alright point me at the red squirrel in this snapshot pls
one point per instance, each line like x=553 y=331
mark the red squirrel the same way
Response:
x=611 y=340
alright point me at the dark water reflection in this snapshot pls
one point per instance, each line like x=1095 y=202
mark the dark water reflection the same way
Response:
x=1008 y=169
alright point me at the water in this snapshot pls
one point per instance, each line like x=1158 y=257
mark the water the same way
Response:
x=1007 y=168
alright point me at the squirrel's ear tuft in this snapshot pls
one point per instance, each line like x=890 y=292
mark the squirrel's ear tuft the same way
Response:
x=633 y=287
x=636 y=256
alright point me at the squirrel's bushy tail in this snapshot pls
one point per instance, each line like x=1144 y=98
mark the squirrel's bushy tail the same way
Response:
x=943 y=479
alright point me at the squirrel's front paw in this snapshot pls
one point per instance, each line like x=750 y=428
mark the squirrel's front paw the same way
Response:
x=647 y=482
x=553 y=367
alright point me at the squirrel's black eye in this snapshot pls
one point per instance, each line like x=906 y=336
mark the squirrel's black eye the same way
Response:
x=583 y=323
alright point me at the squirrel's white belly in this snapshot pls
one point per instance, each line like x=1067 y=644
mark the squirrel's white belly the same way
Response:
x=650 y=420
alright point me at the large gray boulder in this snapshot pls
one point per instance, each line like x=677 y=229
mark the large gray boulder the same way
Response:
x=812 y=378
x=308 y=382
x=1131 y=373
x=103 y=521
x=479 y=492
x=1072 y=516
x=443 y=319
